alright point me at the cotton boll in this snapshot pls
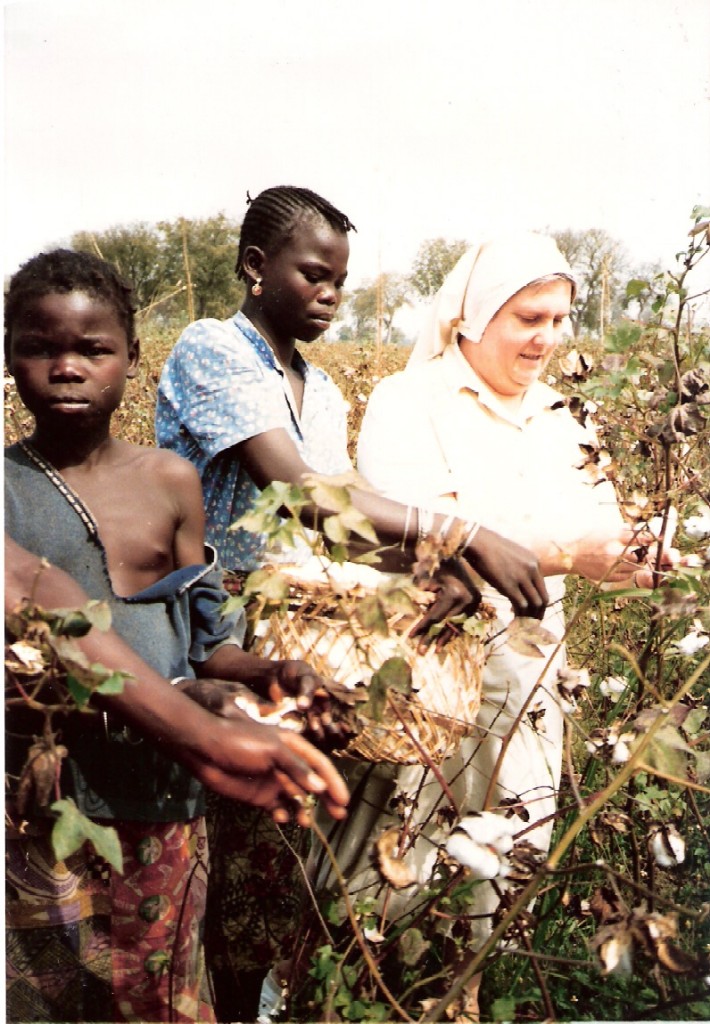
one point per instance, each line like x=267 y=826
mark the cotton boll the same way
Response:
x=617 y=955
x=482 y=861
x=489 y=829
x=698 y=527
x=612 y=687
x=656 y=526
x=691 y=643
x=621 y=752
x=667 y=846
x=480 y=842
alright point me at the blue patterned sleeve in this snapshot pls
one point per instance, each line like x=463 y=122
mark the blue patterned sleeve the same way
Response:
x=215 y=389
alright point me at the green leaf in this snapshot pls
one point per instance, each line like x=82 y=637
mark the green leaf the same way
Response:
x=503 y=1008
x=412 y=946
x=695 y=720
x=335 y=530
x=668 y=752
x=77 y=622
x=338 y=553
x=702 y=766
x=636 y=287
x=327 y=495
x=376 y=697
x=80 y=694
x=113 y=684
x=72 y=829
x=269 y=584
x=73 y=623
x=368 y=558
x=358 y=523
x=99 y=614
x=370 y=614
x=395 y=674
x=234 y=603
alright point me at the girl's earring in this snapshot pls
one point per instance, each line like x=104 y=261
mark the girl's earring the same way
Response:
x=256 y=288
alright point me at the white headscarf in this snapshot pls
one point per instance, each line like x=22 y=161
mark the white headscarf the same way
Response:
x=481 y=283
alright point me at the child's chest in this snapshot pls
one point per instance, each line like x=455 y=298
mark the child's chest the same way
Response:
x=136 y=526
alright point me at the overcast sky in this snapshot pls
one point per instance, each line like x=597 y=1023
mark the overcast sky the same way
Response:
x=418 y=118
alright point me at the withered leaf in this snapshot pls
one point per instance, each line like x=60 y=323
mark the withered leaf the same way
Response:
x=525 y=636
x=605 y=905
x=40 y=773
x=693 y=383
x=392 y=868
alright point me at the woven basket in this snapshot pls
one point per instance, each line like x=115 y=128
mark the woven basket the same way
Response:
x=320 y=627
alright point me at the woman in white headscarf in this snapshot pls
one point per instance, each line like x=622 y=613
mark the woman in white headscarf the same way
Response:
x=470 y=429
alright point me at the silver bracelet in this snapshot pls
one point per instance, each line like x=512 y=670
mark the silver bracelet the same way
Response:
x=180 y=679
x=472 y=531
x=425 y=523
x=446 y=526
x=405 y=535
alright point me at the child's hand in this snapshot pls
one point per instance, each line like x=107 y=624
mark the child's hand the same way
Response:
x=318 y=720
x=266 y=767
x=323 y=724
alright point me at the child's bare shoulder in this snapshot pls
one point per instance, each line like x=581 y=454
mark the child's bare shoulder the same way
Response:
x=159 y=464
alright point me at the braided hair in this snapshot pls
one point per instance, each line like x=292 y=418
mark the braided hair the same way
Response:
x=273 y=215
x=63 y=271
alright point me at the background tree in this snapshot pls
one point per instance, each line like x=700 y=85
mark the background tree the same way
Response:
x=433 y=261
x=381 y=297
x=182 y=267
x=600 y=266
x=202 y=254
x=136 y=250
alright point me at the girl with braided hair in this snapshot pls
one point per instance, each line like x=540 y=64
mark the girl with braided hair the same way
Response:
x=238 y=400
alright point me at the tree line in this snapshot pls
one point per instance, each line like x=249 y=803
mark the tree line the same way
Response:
x=186 y=267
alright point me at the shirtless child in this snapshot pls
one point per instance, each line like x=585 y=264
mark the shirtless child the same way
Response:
x=127 y=524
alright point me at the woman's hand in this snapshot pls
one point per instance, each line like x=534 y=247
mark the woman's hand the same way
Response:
x=629 y=556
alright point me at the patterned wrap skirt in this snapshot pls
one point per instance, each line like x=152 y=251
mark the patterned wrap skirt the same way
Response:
x=85 y=943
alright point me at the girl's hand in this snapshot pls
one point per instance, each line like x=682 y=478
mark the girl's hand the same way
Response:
x=513 y=570
x=322 y=724
x=295 y=678
x=215 y=695
x=456 y=595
